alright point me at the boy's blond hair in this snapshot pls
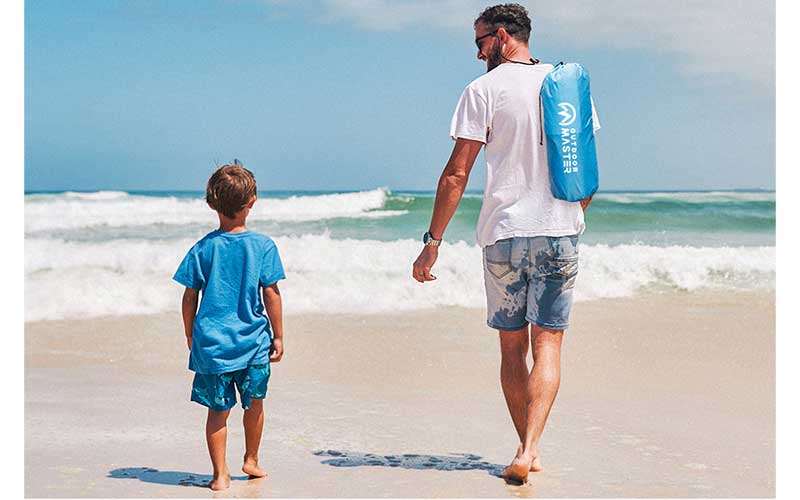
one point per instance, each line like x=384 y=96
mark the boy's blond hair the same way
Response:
x=230 y=189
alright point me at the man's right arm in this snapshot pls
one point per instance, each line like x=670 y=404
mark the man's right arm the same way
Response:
x=452 y=184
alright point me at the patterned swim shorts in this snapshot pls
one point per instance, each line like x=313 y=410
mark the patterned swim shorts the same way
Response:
x=217 y=391
x=530 y=280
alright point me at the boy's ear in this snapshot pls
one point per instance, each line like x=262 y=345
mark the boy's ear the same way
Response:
x=252 y=202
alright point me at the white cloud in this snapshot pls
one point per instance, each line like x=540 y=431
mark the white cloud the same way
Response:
x=720 y=39
x=380 y=15
x=717 y=38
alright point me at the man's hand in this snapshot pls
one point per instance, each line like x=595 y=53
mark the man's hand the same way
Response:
x=189 y=342
x=424 y=263
x=276 y=351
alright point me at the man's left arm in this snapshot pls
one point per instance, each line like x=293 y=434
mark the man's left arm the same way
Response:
x=595 y=127
x=452 y=184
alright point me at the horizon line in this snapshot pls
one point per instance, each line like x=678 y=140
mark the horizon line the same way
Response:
x=391 y=190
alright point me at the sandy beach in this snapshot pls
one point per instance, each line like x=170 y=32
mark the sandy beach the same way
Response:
x=662 y=395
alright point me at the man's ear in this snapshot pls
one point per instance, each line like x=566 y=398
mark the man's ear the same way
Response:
x=502 y=35
x=252 y=202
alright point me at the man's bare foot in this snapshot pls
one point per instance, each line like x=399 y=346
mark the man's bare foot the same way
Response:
x=252 y=469
x=517 y=471
x=536 y=464
x=220 y=482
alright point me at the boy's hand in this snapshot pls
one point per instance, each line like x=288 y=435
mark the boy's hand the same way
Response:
x=274 y=307
x=189 y=342
x=276 y=351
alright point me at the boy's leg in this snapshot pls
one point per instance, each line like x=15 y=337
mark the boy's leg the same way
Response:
x=253 y=421
x=216 y=392
x=216 y=437
x=252 y=384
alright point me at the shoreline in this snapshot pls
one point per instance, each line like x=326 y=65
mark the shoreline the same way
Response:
x=644 y=294
x=661 y=395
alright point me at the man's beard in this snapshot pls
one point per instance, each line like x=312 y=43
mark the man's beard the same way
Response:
x=493 y=58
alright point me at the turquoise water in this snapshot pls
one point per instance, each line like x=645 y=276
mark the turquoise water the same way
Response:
x=114 y=252
x=702 y=218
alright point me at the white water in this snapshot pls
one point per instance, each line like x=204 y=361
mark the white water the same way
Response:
x=73 y=211
x=83 y=260
x=72 y=279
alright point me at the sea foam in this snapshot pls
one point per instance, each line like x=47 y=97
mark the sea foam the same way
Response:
x=71 y=279
x=105 y=209
x=697 y=197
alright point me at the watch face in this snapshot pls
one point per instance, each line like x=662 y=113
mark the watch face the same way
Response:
x=426 y=237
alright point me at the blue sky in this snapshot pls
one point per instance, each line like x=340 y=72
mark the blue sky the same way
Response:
x=340 y=94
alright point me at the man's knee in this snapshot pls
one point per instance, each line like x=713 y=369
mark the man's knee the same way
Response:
x=546 y=345
x=512 y=342
x=514 y=353
x=550 y=337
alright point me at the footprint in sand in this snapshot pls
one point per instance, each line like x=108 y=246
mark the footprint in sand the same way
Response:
x=696 y=466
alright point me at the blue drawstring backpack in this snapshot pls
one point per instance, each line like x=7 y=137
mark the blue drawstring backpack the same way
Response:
x=567 y=123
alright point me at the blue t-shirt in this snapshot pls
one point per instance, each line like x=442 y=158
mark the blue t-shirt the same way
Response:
x=231 y=330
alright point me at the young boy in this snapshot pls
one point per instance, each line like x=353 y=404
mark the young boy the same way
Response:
x=229 y=336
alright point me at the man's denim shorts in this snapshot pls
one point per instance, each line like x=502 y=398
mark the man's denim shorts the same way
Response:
x=530 y=280
x=216 y=391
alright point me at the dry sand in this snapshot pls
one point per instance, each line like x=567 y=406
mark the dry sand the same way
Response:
x=662 y=395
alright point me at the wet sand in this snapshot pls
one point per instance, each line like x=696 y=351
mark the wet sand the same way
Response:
x=661 y=395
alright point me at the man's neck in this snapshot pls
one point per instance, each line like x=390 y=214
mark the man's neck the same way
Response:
x=519 y=53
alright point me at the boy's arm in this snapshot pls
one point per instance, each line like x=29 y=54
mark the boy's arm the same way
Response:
x=274 y=306
x=189 y=310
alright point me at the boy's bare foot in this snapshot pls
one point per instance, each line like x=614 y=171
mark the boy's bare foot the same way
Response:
x=220 y=482
x=252 y=469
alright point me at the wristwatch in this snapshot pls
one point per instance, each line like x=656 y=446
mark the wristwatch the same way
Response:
x=429 y=240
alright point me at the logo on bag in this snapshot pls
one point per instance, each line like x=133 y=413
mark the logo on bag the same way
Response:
x=568 y=112
x=569 y=149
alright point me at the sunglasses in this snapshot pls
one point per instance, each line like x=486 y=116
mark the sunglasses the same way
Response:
x=478 y=40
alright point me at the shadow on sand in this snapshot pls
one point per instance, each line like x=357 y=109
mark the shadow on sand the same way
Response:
x=450 y=462
x=174 y=478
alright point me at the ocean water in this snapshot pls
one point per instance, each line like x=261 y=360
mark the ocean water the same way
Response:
x=113 y=253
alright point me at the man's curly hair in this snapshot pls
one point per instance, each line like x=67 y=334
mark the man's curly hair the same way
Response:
x=511 y=16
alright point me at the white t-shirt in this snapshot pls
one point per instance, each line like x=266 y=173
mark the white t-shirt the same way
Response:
x=502 y=110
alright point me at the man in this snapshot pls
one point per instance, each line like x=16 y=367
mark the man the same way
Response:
x=529 y=238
